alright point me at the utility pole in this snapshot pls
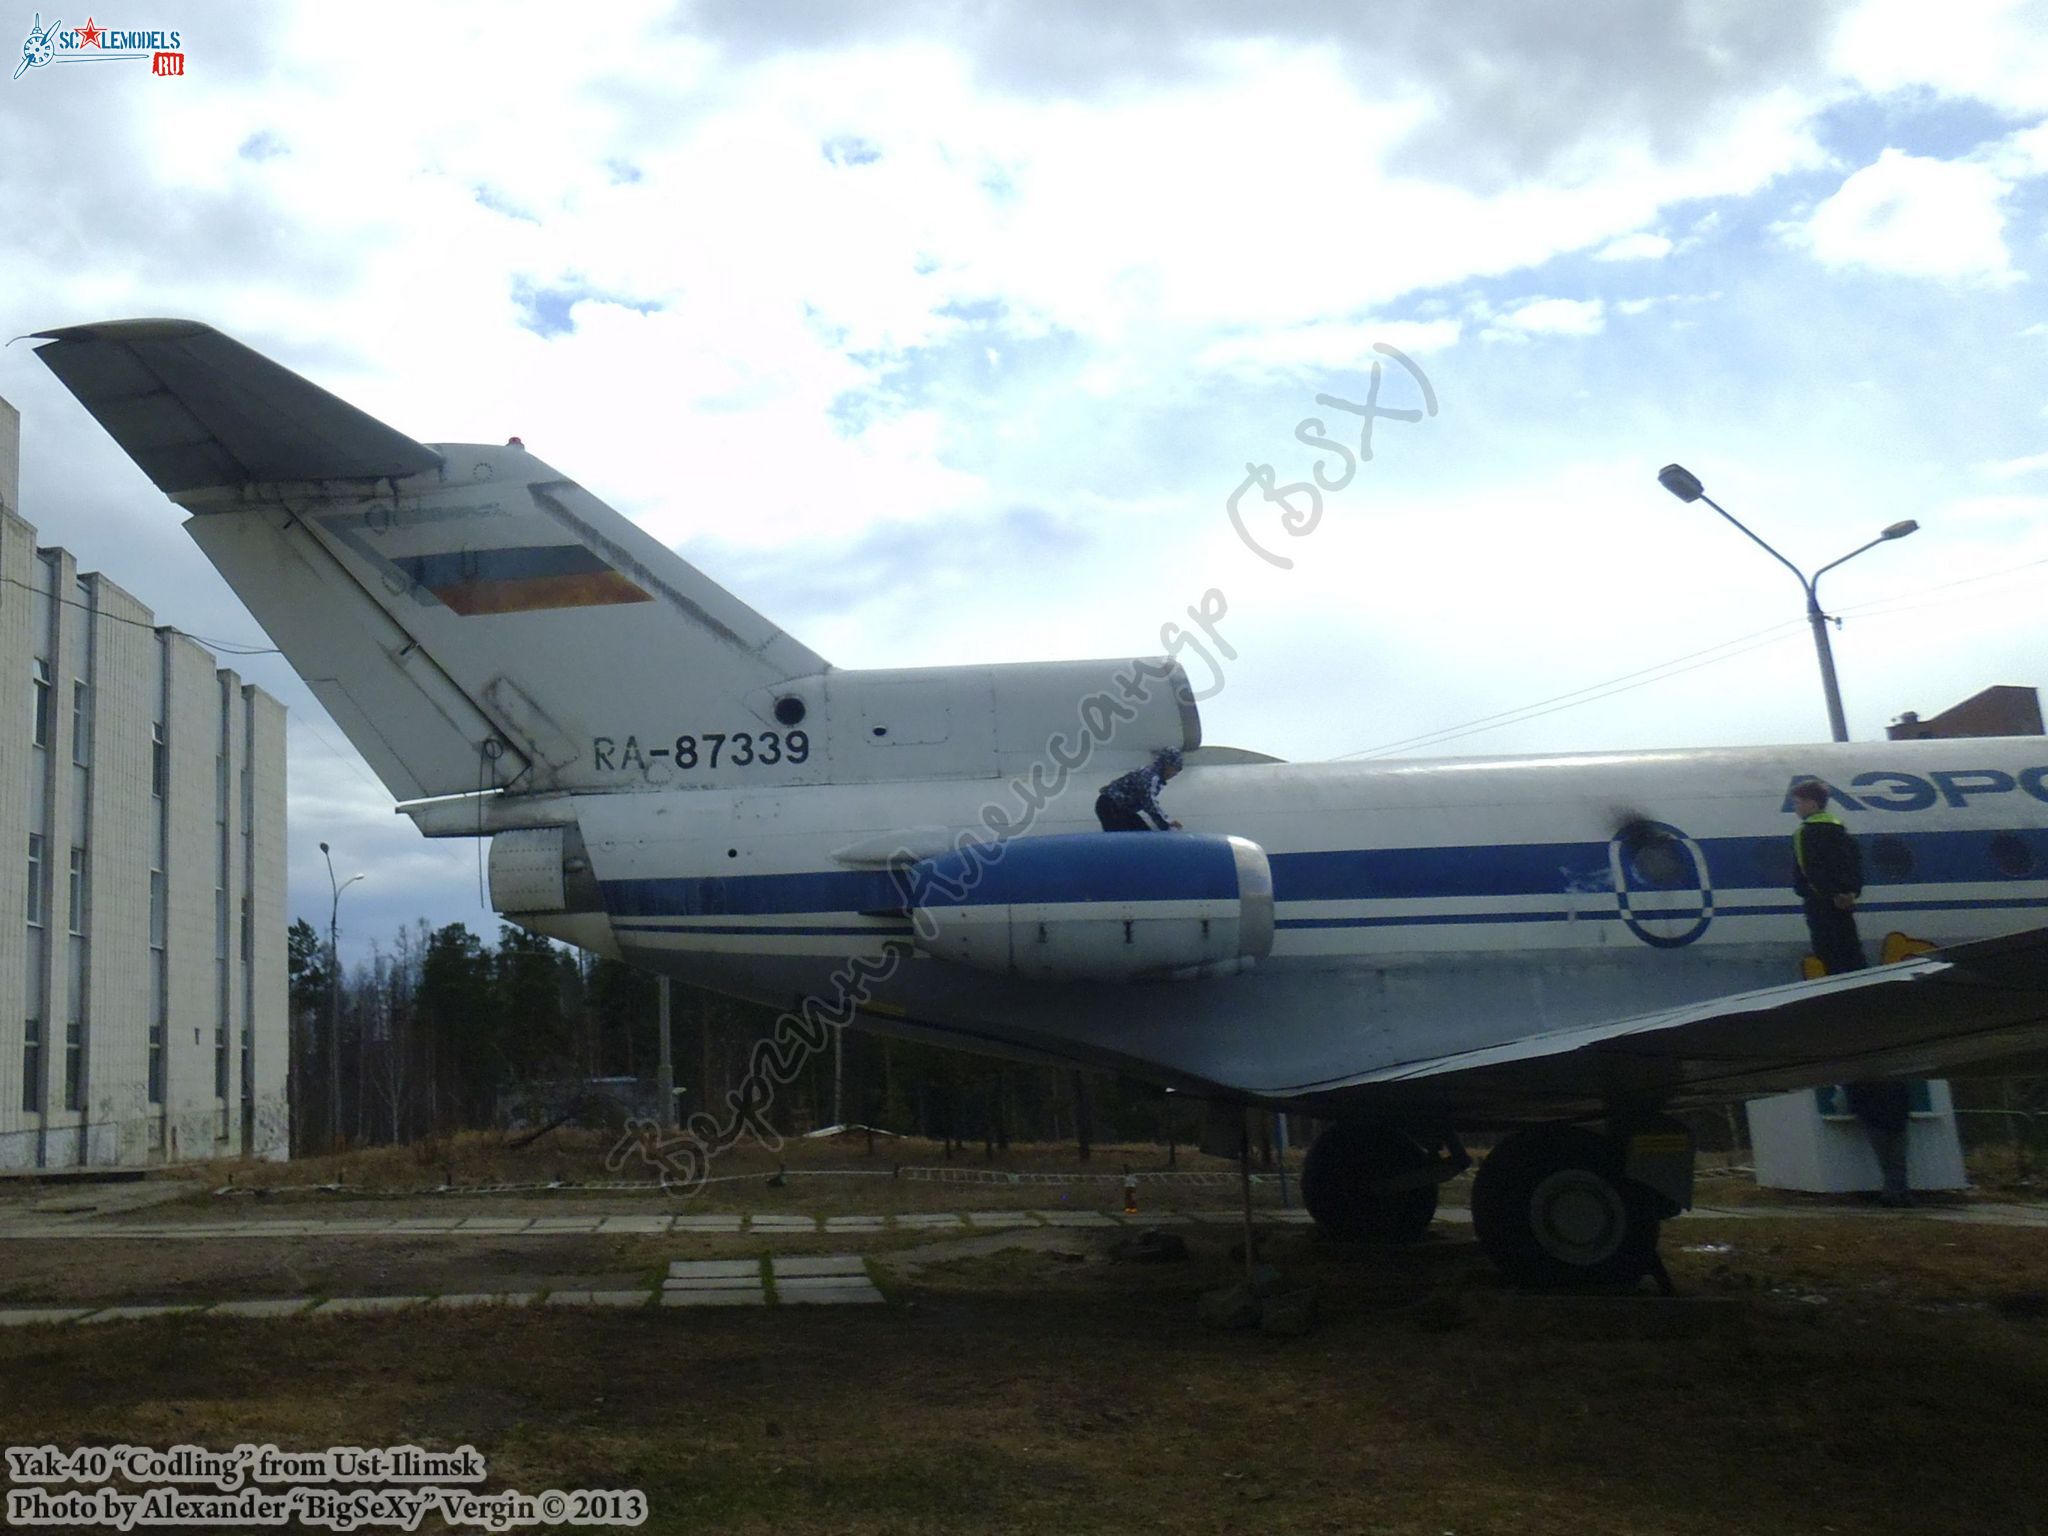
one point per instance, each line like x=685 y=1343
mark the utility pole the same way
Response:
x=334 y=1002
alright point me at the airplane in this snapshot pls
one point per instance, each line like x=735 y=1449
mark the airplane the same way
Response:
x=1560 y=950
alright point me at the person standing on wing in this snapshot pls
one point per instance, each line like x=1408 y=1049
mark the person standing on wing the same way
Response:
x=1827 y=875
x=1125 y=803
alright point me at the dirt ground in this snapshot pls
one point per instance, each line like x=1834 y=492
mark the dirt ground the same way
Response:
x=1870 y=1374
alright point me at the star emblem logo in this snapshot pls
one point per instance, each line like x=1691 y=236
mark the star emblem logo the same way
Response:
x=89 y=35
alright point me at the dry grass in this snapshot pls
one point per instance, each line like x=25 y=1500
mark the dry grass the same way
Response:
x=1033 y=1390
x=830 y=1177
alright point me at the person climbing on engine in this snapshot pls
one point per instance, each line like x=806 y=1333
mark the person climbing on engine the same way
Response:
x=1126 y=803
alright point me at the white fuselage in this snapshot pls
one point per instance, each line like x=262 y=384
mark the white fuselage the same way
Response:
x=1419 y=907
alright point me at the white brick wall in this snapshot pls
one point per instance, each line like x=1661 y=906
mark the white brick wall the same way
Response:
x=130 y=666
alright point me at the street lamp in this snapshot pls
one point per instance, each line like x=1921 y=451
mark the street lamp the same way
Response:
x=1685 y=485
x=334 y=1001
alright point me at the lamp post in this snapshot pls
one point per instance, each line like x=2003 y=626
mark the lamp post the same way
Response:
x=1685 y=485
x=334 y=1001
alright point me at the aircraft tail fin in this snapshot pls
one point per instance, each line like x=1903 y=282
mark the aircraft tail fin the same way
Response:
x=470 y=617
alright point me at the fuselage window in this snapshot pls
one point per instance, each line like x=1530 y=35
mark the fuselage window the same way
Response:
x=1892 y=858
x=2012 y=856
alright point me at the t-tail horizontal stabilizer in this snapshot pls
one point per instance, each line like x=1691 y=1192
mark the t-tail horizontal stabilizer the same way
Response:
x=470 y=617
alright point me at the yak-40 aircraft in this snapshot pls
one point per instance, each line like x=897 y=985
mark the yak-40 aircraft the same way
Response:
x=1564 y=949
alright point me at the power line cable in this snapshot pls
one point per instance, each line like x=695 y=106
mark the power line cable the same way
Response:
x=1592 y=690
x=230 y=647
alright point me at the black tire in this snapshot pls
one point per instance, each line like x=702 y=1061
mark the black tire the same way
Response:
x=1551 y=1208
x=1343 y=1185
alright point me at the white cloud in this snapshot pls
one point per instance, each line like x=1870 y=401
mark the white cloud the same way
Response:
x=1994 y=51
x=2012 y=469
x=1553 y=317
x=1339 y=344
x=1915 y=216
x=1641 y=246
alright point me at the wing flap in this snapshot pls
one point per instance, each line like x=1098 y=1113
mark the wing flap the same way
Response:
x=196 y=409
x=1939 y=1012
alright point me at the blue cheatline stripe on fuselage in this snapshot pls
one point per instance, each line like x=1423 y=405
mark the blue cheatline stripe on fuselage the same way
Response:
x=1379 y=874
x=882 y=930
x=1610 y=914
x=1084 y=867
x=1553 y=869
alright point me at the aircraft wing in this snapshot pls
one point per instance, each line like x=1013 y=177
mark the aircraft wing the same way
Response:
x=1972 y=1005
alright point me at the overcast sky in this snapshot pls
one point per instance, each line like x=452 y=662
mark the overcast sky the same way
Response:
x=944 y=333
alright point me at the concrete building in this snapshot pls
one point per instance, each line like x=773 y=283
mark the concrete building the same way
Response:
x=144 y=1011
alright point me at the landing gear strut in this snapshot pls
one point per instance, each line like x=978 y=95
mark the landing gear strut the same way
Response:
x=1552 y=1207
x=1368 y=1183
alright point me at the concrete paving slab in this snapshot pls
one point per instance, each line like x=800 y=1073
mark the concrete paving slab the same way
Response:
x=425 y=1224
x=713 y=1283
x=810 y=1265
x=684 y=1268
x=1076 y=1219
x=821 y=1282
x=634 y=1224
x=782 y=1223
x=1000 y=1219
x=855 y=1223
x=815 y=1293
x=700 y=1298
x=599 y=1298
x=492 y=1224
x=25 y=1317
x=1219 y=1218
x=344 y=1305
x=928 y=1220
x=1158 y=1219
x=485 y=1299
x=564 y=1224
x=708 y=1223
x=122 y=1314
x=269 y=1306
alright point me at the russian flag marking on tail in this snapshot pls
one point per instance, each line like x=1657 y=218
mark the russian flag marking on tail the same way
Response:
x=524 y=580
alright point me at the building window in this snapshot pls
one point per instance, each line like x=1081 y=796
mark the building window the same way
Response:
x=42 y=714
x=159 y=761
x=81 y=892
x=32 y=1066
x=74 y=1064
x=159 y=1020
x=35 y=880
x=81 y=724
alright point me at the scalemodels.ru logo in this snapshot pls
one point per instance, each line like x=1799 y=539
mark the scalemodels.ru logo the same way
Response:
x=93 y=43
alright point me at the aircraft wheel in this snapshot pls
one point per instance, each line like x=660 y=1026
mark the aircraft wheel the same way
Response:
x=1551 y=1208
x=1343 y=1184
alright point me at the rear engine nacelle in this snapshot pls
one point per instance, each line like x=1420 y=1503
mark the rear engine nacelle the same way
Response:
x=541 y=879
x=1098 y=906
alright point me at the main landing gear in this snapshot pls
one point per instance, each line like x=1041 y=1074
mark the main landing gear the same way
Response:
x=1364 y=1182
x=1552 y=1205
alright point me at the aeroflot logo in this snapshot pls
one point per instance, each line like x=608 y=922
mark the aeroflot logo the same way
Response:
x=1881 y=790
x=92 y=43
